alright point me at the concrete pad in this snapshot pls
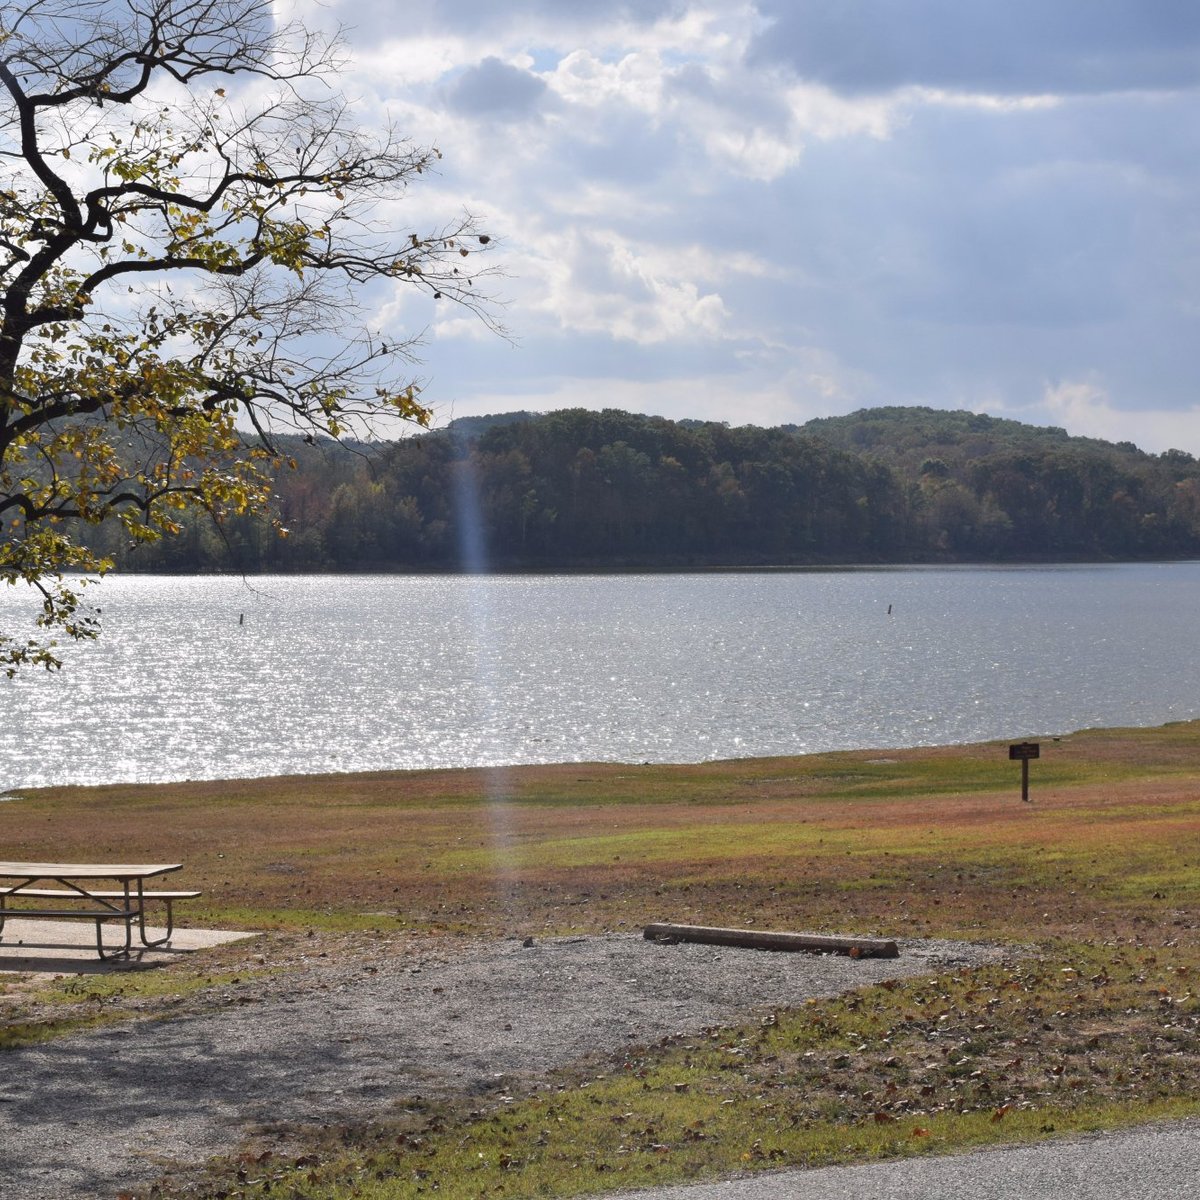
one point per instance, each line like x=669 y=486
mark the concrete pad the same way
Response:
x=69 y=947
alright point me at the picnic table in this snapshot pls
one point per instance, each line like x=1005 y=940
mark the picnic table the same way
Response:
x=99 y=892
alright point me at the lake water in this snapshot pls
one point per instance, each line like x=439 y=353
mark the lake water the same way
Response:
x=215 y=677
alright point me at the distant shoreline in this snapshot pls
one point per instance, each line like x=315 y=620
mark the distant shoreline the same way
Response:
x=797 y=568
x=874 y=755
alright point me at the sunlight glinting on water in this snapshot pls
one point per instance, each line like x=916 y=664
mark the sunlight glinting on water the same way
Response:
x=343 y=673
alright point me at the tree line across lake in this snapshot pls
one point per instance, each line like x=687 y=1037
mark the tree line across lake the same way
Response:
x=608 y=490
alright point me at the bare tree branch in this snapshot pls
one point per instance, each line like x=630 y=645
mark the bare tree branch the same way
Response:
x=124 y=396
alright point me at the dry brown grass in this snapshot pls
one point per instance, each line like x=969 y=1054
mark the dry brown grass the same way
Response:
x=898 y=842
x=1099 y=876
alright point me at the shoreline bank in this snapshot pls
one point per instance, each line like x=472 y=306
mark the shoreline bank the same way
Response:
x=515 y=770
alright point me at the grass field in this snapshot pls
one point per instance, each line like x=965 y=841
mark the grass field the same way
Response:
x=1099 y=877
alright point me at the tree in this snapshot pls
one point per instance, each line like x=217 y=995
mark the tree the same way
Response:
x=188 y=215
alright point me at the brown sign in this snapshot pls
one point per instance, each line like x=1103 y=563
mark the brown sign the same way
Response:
x=1025 y=750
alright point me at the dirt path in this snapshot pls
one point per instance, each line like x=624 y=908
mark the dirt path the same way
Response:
x=86 y=1115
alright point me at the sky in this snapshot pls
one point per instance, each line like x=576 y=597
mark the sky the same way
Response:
x=765 y=211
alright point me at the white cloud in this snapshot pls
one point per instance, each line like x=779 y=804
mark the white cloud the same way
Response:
x=753 y=384
x=821 y=113
x=1085 y=409
x=688 y=192
x=600 y=281
x=697 y=397
x=764 y=153
x=984 y=100
x=453 y=322
x=410 y=61
x=588 y=200
x=754 y=153
x=603 y=284
x=635 y=79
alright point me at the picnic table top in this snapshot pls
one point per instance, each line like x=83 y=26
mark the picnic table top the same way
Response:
x=51 y=870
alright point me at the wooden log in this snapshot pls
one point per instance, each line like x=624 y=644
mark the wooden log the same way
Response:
x=762 y=939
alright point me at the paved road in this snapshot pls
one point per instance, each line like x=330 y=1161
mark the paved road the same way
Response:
x=1160 y=1162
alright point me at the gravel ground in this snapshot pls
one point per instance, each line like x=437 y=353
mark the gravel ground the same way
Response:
x=86 y=1115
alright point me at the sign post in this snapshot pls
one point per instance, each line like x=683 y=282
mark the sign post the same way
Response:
x=1024 y=751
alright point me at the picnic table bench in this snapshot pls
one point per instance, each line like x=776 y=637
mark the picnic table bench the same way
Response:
x=77 y=897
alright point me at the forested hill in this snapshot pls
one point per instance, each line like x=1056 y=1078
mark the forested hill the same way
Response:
x=905 y=437
x=579 y=488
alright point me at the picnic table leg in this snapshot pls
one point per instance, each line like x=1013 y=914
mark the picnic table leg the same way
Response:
x=121 y=951
x=127 y=921
x=170 y=927
x=142 y=921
